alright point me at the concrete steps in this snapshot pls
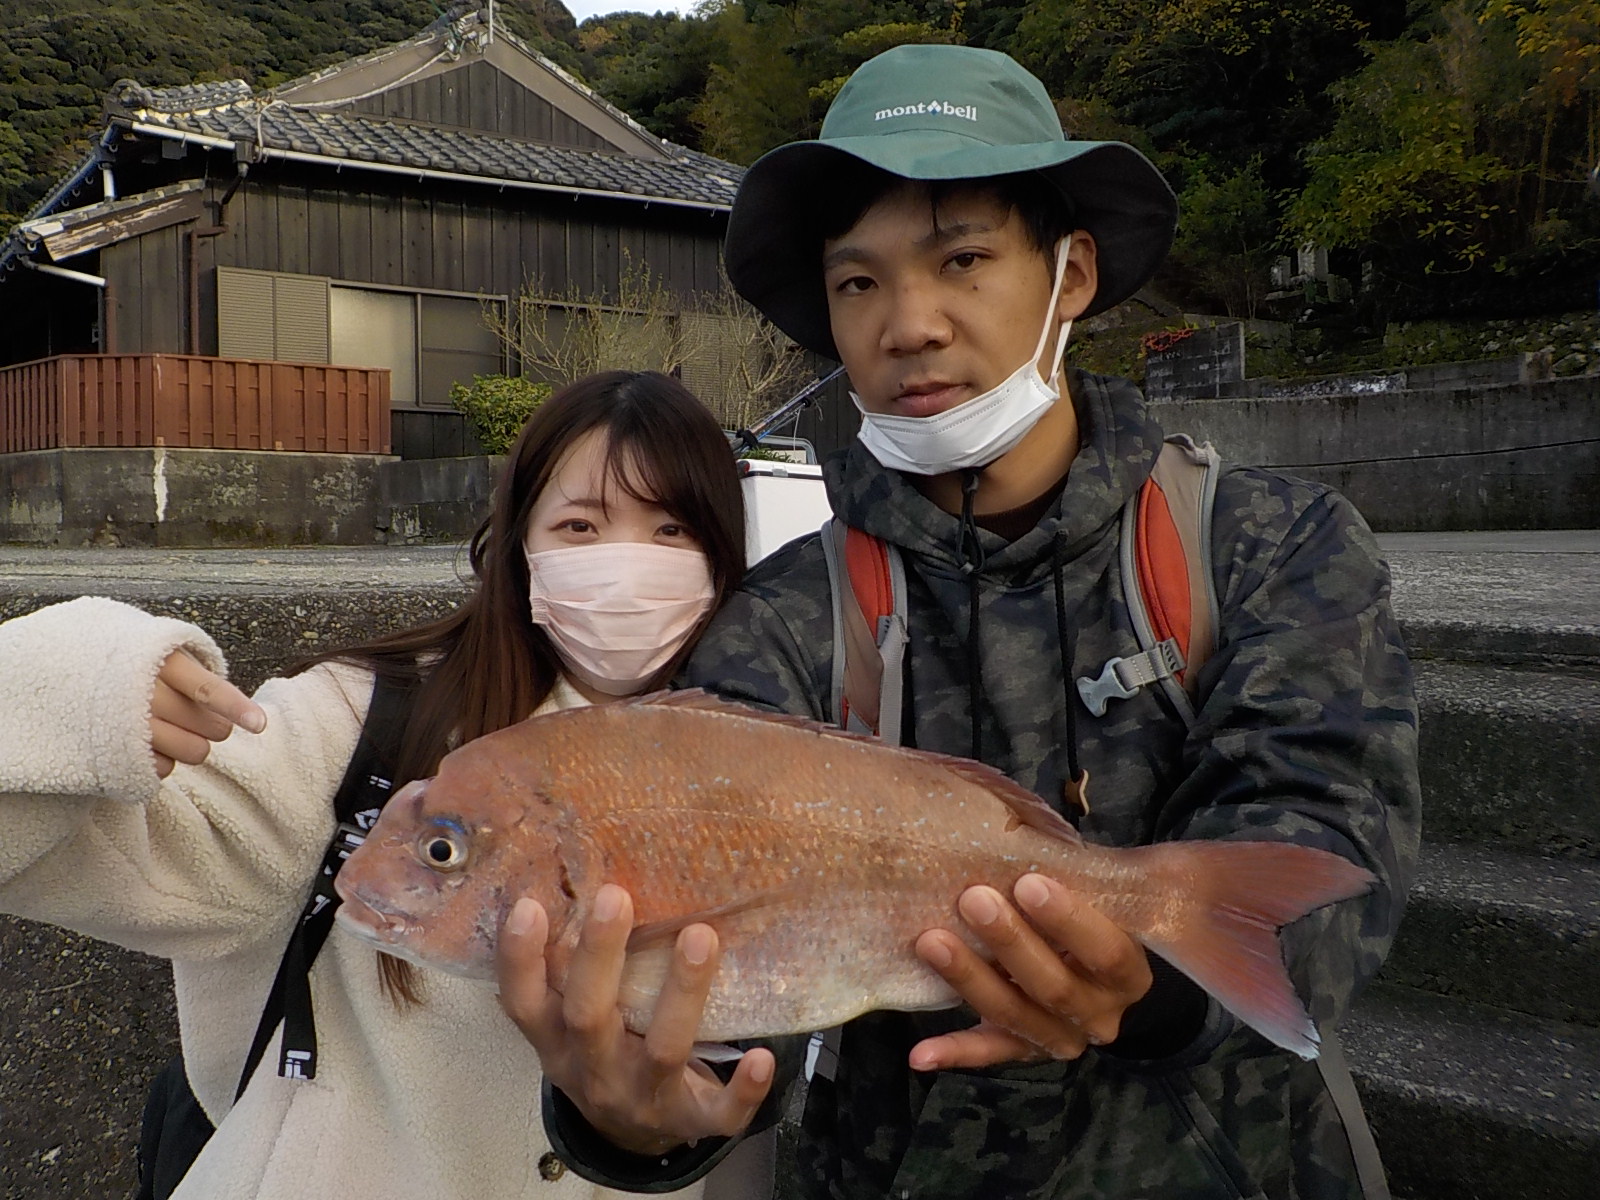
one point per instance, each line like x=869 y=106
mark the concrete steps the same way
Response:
x=1510 y=756
x=1519 y=932
x=1477 y=1050
x=1473 y=1102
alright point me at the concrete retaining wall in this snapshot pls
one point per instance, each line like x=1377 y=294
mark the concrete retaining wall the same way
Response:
x=1517 y=456
x=175 y=498
x=178 y=497
x=435 y=499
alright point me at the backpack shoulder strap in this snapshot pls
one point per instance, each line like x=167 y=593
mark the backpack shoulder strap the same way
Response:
x=869 y=630
x=1166 y=580
x=367 y=783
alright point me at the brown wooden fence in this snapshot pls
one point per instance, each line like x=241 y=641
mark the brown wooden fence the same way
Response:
x=181 y=400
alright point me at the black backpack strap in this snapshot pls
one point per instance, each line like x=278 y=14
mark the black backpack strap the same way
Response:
x=366 y=786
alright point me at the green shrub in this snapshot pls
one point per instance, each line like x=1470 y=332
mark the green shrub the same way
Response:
x=497 y=407
x=760 y=453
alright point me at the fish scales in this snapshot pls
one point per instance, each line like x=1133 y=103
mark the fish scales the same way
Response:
x=826 y=851
x=818 y=857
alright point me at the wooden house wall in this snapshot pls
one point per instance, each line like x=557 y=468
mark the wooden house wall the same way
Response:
x=407 y=234
x=421 y=235
x=482 y=98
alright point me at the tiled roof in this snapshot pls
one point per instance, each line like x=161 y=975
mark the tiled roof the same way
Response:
x=126 y=93
x=278 y=125
x=231 y=111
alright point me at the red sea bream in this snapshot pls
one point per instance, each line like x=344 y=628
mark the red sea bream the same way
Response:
x=818 y=857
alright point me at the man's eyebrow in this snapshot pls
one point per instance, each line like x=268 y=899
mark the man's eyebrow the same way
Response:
x=843 y=254
x=938 y=236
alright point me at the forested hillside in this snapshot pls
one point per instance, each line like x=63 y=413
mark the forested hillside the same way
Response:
x=1440 y=148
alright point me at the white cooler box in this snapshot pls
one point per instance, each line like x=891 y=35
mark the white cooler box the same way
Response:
x=782 y=501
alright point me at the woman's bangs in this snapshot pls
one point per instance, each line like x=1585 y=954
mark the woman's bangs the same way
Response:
x=647 y=469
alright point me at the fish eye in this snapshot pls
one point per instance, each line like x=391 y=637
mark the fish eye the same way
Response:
x=443 y=849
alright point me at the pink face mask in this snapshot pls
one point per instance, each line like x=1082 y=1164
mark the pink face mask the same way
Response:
x=617 y=612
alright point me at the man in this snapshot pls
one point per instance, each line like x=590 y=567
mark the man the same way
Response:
x=939 y=239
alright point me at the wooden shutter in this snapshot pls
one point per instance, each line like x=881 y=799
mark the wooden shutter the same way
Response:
x=244 y=314
x=300 y=312
x=271 y=315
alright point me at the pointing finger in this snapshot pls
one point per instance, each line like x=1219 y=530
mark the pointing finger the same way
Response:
x=210 y=691
x=172 y=706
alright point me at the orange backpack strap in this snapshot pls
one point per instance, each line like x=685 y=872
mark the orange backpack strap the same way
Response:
x=869 y=630
x=1167 y=581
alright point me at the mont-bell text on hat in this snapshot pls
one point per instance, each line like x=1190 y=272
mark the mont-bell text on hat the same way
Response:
x=969 y=111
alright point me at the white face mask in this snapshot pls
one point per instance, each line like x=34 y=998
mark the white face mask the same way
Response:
x=617 y=612
x=976 y=433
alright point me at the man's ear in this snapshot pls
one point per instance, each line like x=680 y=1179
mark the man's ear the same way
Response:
x=1082 y=277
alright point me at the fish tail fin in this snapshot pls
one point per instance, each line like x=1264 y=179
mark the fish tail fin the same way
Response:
x=1244 y=892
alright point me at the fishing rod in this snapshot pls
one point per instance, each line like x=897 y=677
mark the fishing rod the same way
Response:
x=750 y=439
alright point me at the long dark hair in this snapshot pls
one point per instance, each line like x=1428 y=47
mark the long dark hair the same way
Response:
x=486 y=665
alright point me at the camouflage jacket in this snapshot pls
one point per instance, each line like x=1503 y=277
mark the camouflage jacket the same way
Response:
x=1306 y=732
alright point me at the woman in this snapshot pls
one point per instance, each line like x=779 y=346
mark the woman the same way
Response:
x=130 y=814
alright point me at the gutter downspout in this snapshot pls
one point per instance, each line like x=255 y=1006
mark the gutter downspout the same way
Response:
x=219 y=226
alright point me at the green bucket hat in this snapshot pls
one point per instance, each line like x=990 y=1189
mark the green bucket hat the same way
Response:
x=938 y=113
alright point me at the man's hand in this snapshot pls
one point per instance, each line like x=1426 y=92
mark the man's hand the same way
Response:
x=647 y=1094
x=193 y=707
x=1060 y=982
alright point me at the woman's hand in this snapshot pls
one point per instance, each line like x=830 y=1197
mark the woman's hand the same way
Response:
x=193 y=707
x=1060 y=982
x=645 y=1093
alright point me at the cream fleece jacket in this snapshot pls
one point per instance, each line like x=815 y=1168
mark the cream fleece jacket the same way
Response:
x=210 y=868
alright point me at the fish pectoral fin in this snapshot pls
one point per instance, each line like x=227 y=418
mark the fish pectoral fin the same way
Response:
x=658 y=934
x=644 y=974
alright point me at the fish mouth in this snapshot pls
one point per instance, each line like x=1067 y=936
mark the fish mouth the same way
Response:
x=388 y=935
x=370 y=922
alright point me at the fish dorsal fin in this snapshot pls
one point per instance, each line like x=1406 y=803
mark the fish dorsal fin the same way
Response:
x=1028 y=809
x=686 y=698
x=1024 y=805
x=699 y=699
x=703 y=701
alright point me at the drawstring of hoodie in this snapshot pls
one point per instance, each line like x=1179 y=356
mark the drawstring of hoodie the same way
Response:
x=972 y=560
x=1066 y=636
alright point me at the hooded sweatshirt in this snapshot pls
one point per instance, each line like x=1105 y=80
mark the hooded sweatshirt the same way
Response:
x=1306 y=733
